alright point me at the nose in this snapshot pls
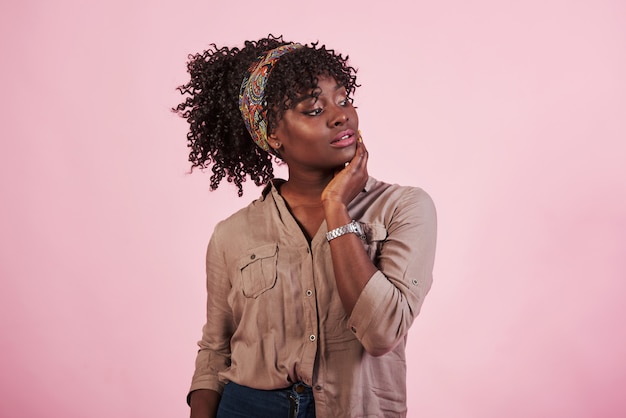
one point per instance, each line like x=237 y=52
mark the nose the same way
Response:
x=339 y=117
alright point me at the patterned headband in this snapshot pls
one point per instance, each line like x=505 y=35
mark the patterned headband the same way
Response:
x=252 y=94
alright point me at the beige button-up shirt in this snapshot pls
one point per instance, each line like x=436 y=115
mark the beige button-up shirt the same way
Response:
x=274 y=316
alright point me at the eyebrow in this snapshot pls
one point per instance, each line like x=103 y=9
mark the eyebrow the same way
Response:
x=305 y=97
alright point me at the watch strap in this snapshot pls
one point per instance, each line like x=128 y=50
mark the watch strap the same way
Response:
x=351 y=228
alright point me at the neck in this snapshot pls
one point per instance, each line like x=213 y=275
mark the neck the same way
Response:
x=306 y=187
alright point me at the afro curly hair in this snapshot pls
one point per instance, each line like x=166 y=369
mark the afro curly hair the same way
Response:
x=217 y=134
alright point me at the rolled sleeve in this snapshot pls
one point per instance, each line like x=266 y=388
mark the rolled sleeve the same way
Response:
x=395 y=293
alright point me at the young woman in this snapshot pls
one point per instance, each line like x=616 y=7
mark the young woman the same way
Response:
x=313 y=287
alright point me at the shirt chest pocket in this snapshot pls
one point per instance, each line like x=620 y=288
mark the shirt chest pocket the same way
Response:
x=258 y=270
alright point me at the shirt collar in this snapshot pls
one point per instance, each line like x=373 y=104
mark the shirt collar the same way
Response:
x=274 y=185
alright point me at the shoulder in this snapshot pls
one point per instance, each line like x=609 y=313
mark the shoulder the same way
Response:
x=249 y=224
x=406 y=213
x=242 y=218
x=396 y=197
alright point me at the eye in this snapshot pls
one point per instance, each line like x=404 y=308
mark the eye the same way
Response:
x=346 y=101
x=313 y=112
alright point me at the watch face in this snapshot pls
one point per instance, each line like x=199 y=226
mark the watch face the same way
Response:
x=358 y=229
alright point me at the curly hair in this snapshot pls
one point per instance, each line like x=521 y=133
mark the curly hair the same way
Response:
x=217 y=134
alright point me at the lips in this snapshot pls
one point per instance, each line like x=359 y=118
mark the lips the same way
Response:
x=344 y=138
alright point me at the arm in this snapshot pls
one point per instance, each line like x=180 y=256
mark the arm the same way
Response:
x=204 y=403
x=393 y=296
x=382 y=300
x=351 y=264
x=214 y=353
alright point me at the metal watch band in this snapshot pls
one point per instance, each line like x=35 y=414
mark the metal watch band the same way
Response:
x=353 y=227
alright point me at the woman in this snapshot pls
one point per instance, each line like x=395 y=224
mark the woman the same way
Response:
x=312 y=288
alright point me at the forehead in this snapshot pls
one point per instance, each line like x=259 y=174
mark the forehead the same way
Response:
x=320 y=85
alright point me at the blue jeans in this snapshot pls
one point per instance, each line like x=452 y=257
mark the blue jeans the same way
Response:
x=243 y=402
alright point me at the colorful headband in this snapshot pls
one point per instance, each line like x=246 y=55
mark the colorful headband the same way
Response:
x=252 y=94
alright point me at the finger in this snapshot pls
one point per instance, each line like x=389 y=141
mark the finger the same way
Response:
x=364 y=157
x=356 y=161
x=360 y=156
x=364 y=150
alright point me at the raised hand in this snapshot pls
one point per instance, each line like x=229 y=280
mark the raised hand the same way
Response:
x=350 y=180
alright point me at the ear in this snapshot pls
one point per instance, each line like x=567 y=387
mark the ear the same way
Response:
x=273 y=141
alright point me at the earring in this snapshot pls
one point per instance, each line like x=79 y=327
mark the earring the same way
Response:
x=277 y=144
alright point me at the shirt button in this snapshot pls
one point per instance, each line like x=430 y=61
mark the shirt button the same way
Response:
x=414 y=281
x=309 y=292
x=312 y=337
x=252 y=257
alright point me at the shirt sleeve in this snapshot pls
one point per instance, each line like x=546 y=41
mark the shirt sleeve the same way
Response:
x=214 y=354
x=394 y=295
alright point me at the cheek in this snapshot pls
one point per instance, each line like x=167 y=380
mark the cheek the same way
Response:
x=304 y=130
x=355 y=116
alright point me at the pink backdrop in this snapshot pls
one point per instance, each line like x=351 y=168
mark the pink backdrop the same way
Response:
x=511 y=114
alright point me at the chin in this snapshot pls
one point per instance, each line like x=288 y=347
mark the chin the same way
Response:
x=351 y=152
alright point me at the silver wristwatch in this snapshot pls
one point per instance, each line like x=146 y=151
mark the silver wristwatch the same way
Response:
x=352 y=228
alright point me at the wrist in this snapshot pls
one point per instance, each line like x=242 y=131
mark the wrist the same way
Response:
x=334 y=205
x=336 y=214
x=352 y=228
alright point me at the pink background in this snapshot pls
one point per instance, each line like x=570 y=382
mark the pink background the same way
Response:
x=511 y=114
